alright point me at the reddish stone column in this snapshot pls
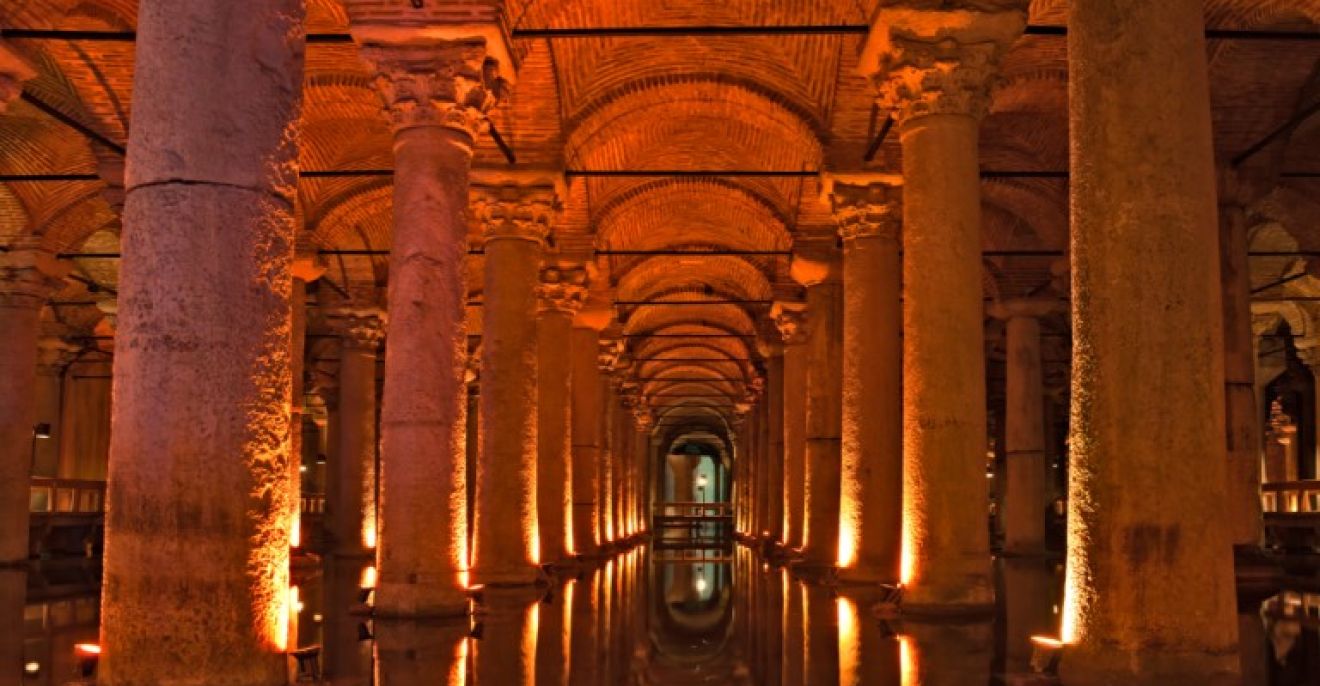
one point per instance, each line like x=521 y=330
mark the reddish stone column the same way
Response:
x=605 y=458
x=199 y=503
x=791 y=320
x=506 y=545
x=586 y=416
x=352 y=513
x=562 y=292
x=933 y=70
x=642 y=456
x=1026 y=493
x=824 y=423
x=1148 y=521
x=28 y=275
x=304 y=270
x=774 y=408
x=871 y=502
x=436 y=92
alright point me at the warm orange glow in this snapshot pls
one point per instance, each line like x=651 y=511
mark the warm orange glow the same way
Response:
x=847 y=535
x=87 y=649
x=850 y=645
x=532 y=629
x=908 y=558
x=907 y=662
x=368 y=579
x=369 y=536
x=295 y=531
x=458 y=670
x=1048 y=642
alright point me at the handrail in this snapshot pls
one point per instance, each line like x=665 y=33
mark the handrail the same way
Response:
x=693 y=509
x=49 y=495
x=312 y=503
x=1290 y=497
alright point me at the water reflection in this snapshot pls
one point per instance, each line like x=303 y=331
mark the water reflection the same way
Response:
x=641 y=619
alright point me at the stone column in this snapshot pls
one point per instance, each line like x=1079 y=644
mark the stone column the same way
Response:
x=791 y=320
x=54 y=355
x=28 y=275
x=823 y=407
x=1146 y=520
x=352 y=513
x=1026 y=493
x=304 y=270
x=436 y=93
x=871 y=502
x=561 y=294
x=605 y=458
x=199 y=501
x=774 y=402
x=587 y=410
x=643 y=421
x=1241 y=409
x=933 y=70
x=516 y=221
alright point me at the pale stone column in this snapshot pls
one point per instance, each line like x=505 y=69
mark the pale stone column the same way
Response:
x=202 y=367
x=561 y=294
x=1026 y=493
x=516 y=221
x=28 y=275
x=823 y=407
x=54 y=355
x=352 y=513
x=587 y=411
x=791 y=320
x=1242 y=413
x=1148 y=369
x=869 y=214
x=436 y=93
x=932 y=70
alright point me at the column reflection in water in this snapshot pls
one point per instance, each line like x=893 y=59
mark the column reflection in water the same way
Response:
x=1031 y=591
x=345 y=655
x=509 y=621
x=422 y=653
x=13 y=595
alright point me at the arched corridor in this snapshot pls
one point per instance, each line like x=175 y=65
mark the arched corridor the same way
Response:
x=791 y=342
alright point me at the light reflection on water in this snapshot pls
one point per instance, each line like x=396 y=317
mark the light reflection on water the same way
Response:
x=637 y=619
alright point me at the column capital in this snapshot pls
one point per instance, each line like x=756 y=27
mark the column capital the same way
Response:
x=790 y=318
x=942 y=61
x=867 y=210
x=815 y=266
x=642 y=418
x=360 y=327
x=426 y=81
x=54 y=354
x=511 y=211
x=1025 y=307
x=562 y=290
x=307 y=264
x=14 y=70
x=29 y=275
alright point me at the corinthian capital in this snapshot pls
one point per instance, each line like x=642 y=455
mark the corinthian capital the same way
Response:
x=514 y=211
x=562 y=289
x=436 y=83
x=28 y=276
x=359 y=327
x=790 y=319
x=871 y=210
x=940 y=60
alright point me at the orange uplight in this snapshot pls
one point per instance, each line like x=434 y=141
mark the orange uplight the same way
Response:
x=1048 y=642
x=850 y=645
x=295 y=532
x=369 y=536
x=368 y=579
x=87 y=649
x=458 y=671
x=532 y=628
x=907 y=662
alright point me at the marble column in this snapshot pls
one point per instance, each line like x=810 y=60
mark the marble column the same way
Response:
x=1242 y=413
x=932 y=70
x=352 y=513
x=821 y=277
x=791 y=320
x=869 y=214
x=54 y=355
x=202 y=367
x=436 y=93
x=774 y=408
x=1146 y=520
x=516 y=220
x=28 y=275
x=1026 y=492
x=587 y=410
x=561 y=293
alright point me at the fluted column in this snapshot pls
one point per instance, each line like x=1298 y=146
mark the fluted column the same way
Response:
x=199 y=502
x=1147 y=517
x=932 y=70
x=871 y=495
x=821 y=277
x=791 y=321
x=352 y=513
x=587 y=408
x=436 y=93
x=561 y=295
x=1026 y=491
x=516 y=221
x=28 y=275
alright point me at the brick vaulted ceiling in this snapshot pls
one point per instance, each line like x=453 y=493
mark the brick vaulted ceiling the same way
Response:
x=703 y=102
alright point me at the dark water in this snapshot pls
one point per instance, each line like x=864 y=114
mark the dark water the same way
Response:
x=639 y=619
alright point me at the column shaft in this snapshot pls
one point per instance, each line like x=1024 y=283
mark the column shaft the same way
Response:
x=353 y=512
x=1025 y=490
x=823 y=423
x=586 y=416
x=1147 y=534
x=18 y=414
x=199 y=502
x=1243 y=421
x=554 y=392
x=795 y=426
x=774 y=490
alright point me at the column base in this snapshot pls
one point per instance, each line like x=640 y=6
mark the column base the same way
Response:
x=865 y=576
x=419 y=598
x=1103 y=665
x=516 y=576
x=968 y=611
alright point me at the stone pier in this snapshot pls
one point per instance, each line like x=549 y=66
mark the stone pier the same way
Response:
x=561 y=294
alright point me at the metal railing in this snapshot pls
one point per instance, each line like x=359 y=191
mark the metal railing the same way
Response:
x=1290 y=497
x=66 y=496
